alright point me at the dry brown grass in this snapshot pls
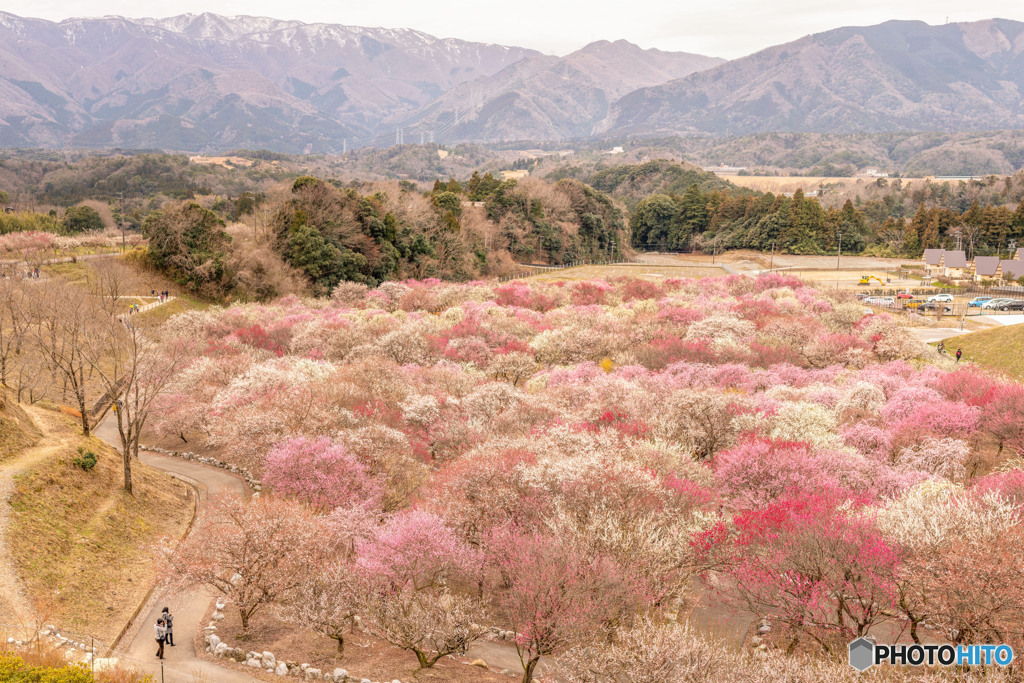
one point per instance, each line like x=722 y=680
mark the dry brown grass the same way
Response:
x=647 y=272
x=17 y=430
x=80 y=544
x=778 y=184
x=226 y=162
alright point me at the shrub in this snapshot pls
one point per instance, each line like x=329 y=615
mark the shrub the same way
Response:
x=16 y=670
x=86 y=459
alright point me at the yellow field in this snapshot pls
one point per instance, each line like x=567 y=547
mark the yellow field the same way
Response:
x=776 y=184
x=226 y=162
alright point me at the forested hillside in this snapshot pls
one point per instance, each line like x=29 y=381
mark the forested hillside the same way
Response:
x=258 y=228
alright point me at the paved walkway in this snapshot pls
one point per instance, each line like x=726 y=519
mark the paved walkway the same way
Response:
x=934 y=334
x=1010 y=319
x=139 y=646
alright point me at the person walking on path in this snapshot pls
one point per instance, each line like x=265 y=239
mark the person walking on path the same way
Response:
x=161 y=634
x=942 y=348
x=959 y=353
x=169 y=626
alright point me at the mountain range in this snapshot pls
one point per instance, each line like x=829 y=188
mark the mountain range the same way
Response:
x=900 y=75
x=212 y=83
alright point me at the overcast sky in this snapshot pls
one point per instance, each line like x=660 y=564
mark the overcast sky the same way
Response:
x=723 y=28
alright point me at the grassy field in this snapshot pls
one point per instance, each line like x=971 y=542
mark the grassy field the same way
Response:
x=75 y=273
x=652 y=272
x=82 y=547
x=180 y=304
x=1001 y=348
x=778 y=184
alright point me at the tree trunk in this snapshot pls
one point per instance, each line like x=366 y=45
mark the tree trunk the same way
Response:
x=244 y=616
x=423 y=659
x=528 y=670
x=127 y=458
x=341 y=645
x=85 y=418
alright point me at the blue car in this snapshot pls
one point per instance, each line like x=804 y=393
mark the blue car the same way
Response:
x=977 y=301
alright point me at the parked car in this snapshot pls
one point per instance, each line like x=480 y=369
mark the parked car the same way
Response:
x=887 y=301
x=945 y=298
x=904 y=295
x=995 y=303
x=1015 y=305
x=913 y=303
x=934 y=306
x=977 y=301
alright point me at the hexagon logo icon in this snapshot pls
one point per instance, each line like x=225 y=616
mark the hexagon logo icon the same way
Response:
x=862 y=654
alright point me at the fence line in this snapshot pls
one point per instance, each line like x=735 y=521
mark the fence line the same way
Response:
x=154 y=304
x=564 y=266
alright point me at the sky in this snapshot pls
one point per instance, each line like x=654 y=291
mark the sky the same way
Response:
x=721 y=28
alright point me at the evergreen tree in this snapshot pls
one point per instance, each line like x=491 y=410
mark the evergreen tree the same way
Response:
x=652 y=220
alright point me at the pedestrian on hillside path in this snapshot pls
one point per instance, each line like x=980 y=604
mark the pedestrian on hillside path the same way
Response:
x=169 y=626
x=160 y=631
x=958 y=354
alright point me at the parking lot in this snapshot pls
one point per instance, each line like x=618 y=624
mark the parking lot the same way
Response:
x=949 y=305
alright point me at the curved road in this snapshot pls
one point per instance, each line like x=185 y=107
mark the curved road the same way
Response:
x=181 y=663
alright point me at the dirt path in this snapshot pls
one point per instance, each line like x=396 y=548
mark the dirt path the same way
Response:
x=181 y=662
x=14 y=606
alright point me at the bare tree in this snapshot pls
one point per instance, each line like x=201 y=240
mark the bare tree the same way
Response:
x=65 y=317
x=111 y=281
x=14 y=325
x=134 y=370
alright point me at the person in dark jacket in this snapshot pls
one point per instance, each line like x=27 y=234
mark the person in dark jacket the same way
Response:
x=959 y=352
x=168 y=625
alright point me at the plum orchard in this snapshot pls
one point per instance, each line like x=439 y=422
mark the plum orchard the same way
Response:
x=567 y=460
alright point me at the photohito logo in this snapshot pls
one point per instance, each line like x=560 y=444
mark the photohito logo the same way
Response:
x=864 y=654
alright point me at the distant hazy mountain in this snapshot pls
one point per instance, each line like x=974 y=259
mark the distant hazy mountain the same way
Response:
x=551 y=98
x=194 y=82
x=209 y=83
x=900 y=75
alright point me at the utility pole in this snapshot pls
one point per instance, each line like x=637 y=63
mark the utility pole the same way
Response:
x=771 y=263
x=123 y=242
x=840 y=254
x=255 y=215
x=714 y=253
